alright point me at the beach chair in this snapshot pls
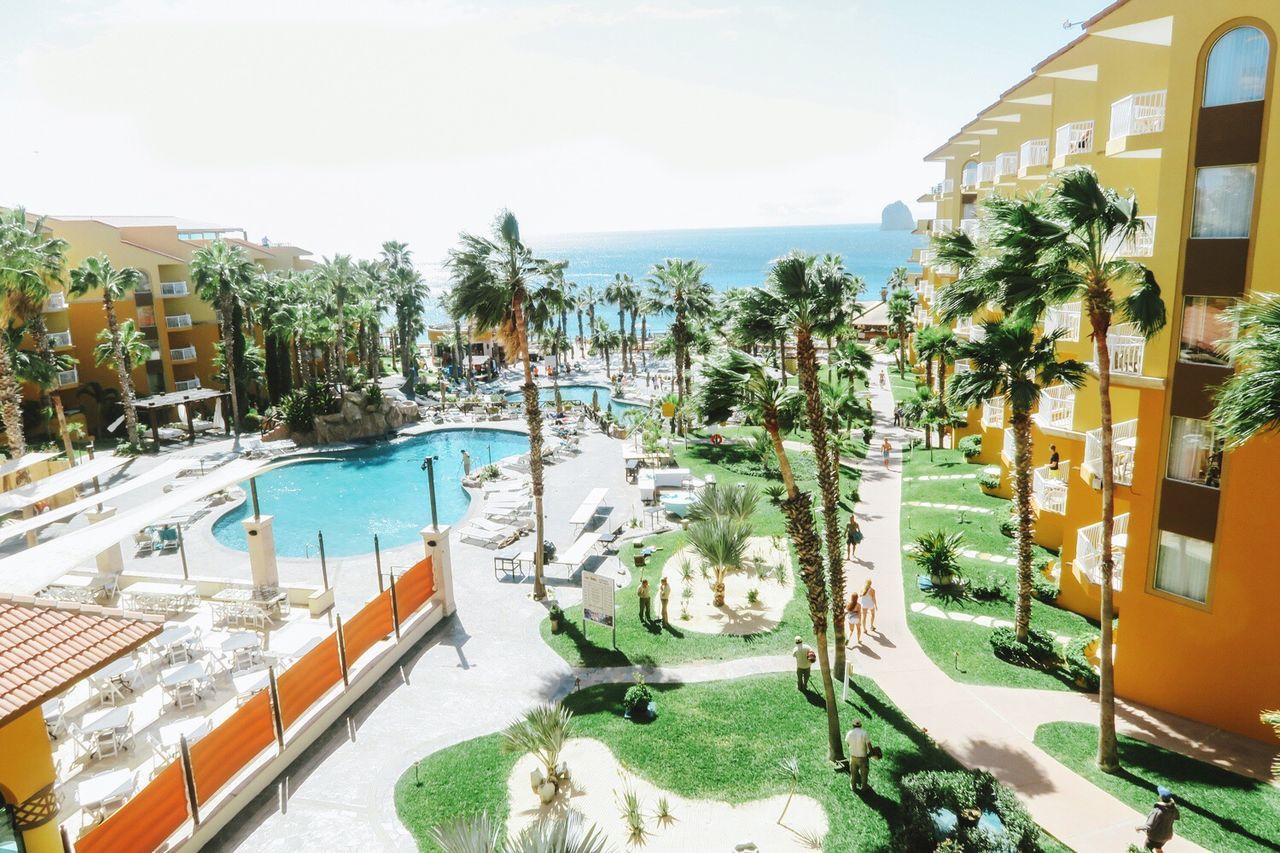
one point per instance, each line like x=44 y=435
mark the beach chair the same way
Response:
x=514 y=484
x=576 y=554
x=487 y=534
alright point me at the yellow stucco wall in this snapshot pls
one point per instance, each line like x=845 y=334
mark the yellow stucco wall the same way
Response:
x=26 y=766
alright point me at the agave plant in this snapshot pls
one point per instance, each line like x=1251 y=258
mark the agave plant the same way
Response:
x=721 y=543
x=564 y=832
x=542 y=732
x=937 y=553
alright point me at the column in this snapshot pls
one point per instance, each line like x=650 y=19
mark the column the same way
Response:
x=262 y=550
x=436 y=543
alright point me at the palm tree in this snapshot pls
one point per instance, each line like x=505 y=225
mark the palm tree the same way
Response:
x=497 y=277
x=1248 y=404
x=105 y=400
x=542 y=732
x=1011 y=362
x=29 y=261
x=340 y=276
x=221 y=272
x=561 y=832
x=690 y=299
x=721 y=543
x=851 y=360
x=98 y=273
x=741 y=382
x=128 y=346
x=588 y=299
x=408 y=293
x=621 y=292
x=901 y=303
x=604 y=340
x=938 y=344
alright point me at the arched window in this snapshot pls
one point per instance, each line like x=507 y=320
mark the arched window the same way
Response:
x=969 y=175
x=1237 y=68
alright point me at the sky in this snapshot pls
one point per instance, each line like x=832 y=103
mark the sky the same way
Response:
x=337 y=124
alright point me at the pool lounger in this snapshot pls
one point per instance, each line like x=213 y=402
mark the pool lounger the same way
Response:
x=487 y=533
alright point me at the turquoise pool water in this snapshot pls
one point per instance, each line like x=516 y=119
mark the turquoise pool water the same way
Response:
x=379 y=489
x=582 y=394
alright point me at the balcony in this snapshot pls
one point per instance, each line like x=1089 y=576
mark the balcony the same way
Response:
x=1065 y=317
x=1126 y=348
x=1072 y=140
x=969 y=178
x=1139 y=245
x=1049 y=488
x=186 y=384
x=1137 y=115
x=977 y=332
x=987 y=172
x=57 y=301
x=1009 y=446
x=1033 y=158
x=181 y=354
x=971 y=228
x=1007 y=165
x=945 y=187
x=155 y=354
x=924 y=289
x=993 y=413
x=68 y=378
x=60 y=340
x=1124 y=446
x=942 y=226
x=962 y=366
x=1089 y=551
x=143 y=286
x=178 y=321
x=963 y=327
x=173 y=288
x=1057 y=407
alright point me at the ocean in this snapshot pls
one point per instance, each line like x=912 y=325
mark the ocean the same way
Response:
x=734 y=257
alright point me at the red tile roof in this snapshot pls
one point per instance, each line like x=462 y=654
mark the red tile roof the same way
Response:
x=46 y=646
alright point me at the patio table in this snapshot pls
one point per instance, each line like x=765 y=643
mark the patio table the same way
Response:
x=161 y=597
x=96 y=793
x=170 y=735
x=295 y=640
x=115 y=677
x=183 y=683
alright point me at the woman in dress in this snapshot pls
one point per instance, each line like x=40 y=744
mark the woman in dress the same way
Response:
x=853 y=621
x=867 y=603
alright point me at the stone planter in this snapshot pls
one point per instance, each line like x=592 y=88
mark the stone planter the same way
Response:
x=645 y=714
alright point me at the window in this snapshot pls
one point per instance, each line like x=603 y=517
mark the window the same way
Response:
x=969 y=176
x=1204 y=324
x=10 y=837
x=1195 y=454
x=1237 y=69
x=1224 y=202
x=1182 y=566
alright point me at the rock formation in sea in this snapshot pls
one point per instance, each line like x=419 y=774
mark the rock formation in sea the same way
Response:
x=897 y=217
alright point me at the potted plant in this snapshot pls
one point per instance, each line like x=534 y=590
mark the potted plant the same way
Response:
x=638 y=705
x=938 y=555
x=639 y=554
x=556 y=615
x=989 y=479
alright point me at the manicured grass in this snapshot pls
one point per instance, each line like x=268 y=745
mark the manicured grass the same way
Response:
x=720 y=741
x=1220 y=810
x=942 y=638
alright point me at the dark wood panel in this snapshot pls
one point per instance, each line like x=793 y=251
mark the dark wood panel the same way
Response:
x=1215 y=267
x=1193 y=387
x=1189 y=510
x=1229 y=134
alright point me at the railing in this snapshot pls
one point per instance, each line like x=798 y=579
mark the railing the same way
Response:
x=969 y=179
x=925 y=289
x=144 y=286
x=1057 y=406
x=1034 y=152
x=182 y=354
x=1141 y=244
x=186 y=384
x=964 y=326
x=1007 y=164
x=1126 y=348
x=1049 y=488
x=57 y=301
x=67 y=378
x=962 y=365
x=1074 y=138
x=993 y=412
x=943 y=187
x=1065 y=316
x=941 y=226
x=60 y=340
x=977 y=332
x=173 y=288
x=155 y=354
x=971 y=228
x=987 y=172
x=1089 y=551
x=926 y=257
x=1138 y=114
x=162 y=806
x=178 y=321
x=1124 y=445
x=1009 y=447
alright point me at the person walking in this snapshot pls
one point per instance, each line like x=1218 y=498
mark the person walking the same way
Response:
x=645 y=595
x=885 y=449
x=805 y=657
x=867 y=603
x=852 y=537
x=853 y=621
x=859 y=743
x=664 y=595
x=1159 y=825
x=897 y=416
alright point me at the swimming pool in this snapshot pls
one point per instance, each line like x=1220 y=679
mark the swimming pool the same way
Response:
x=379 y=489
x=582 y=394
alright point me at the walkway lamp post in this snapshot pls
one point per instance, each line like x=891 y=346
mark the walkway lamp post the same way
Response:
x=428 y=465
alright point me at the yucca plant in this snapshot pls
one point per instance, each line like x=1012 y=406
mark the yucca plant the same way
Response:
x=730 y=501
x=722 y=544
x=937 y=553
x=632 y=814
x=564 y=832
x=542 y=732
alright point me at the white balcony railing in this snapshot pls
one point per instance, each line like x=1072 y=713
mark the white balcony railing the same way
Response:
x=67 y=378
x=1009 y=446
x=987 y=172
x=962 y=365
x=978 y=332
x=1034 y=152
x=173 y=288
x=971 y=228
x=57 y=301
x=1067 y=317
x=993 y=413
x=1138 y=114
x=969 y=177
x=925 y=289
x=964 y=326
x=187 y=384
x=1089 y=551
x=60 y=340
x=1057 y=407
x=155 y=354
x=942 y=226
x=1049 y=488
x=182 y=354
x=1007 y=164
x=1124 y=443
x=1139 y=245
x=1074 y=138
x=178 y=321
x=945 y=187
x=1126 y=348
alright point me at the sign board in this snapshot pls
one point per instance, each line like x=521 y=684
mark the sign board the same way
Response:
x=597 y=599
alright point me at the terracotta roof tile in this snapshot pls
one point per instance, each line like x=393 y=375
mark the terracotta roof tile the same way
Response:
x=47 y=646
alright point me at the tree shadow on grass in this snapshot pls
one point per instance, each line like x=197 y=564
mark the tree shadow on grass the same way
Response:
x=591 y=653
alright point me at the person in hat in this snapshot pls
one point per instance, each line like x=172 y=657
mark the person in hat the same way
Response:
x=804 y=663
x=1159 y=825
x=859 y=743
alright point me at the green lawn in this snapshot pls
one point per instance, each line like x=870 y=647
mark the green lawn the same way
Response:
x=719 y=740
x=1220 y=810
x=942 y=638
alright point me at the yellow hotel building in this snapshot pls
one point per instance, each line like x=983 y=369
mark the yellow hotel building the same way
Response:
x=1174 y=100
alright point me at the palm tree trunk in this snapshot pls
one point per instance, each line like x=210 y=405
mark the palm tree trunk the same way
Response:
x=622 y=338
x=828 y=482
x=631 y=343
x=644 y=342
x=122 y=370
x=11 y=405
x=533 y=419
x=582 y=338
x=942 y=395
x=677 y=330
x=1021 y=422
x=1108 y=752
x=782 y=357
x=228 y=358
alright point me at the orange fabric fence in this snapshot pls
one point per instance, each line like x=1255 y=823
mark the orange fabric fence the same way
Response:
x=414 y=587
x=367 y=627
x=144 y=822
x=306 y=681
x=223 y=752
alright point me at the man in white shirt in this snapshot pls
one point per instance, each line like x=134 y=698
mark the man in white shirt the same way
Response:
x=803 y=664
x=859 y=755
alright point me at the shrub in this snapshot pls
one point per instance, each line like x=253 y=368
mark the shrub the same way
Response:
x=937 y=554
x=1039 y=651
x=1009 y=526
x=753 y=596
x=301 y=408
x=1077 y=664
x=970 y=446
x=927 y=791
x=988 y=481
x=251 y=422
x=775 y=493
x=867 y=434
x=638 y=696
x=1044 y=589
x=373 y=394
x=993 y=589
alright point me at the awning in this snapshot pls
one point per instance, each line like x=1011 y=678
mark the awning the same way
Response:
x=14 y=465
x=24 y=496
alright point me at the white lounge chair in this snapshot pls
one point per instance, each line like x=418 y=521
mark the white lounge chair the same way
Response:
x=577 y=553
x=499 y=486
x=520 y=516
x=482 y=532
